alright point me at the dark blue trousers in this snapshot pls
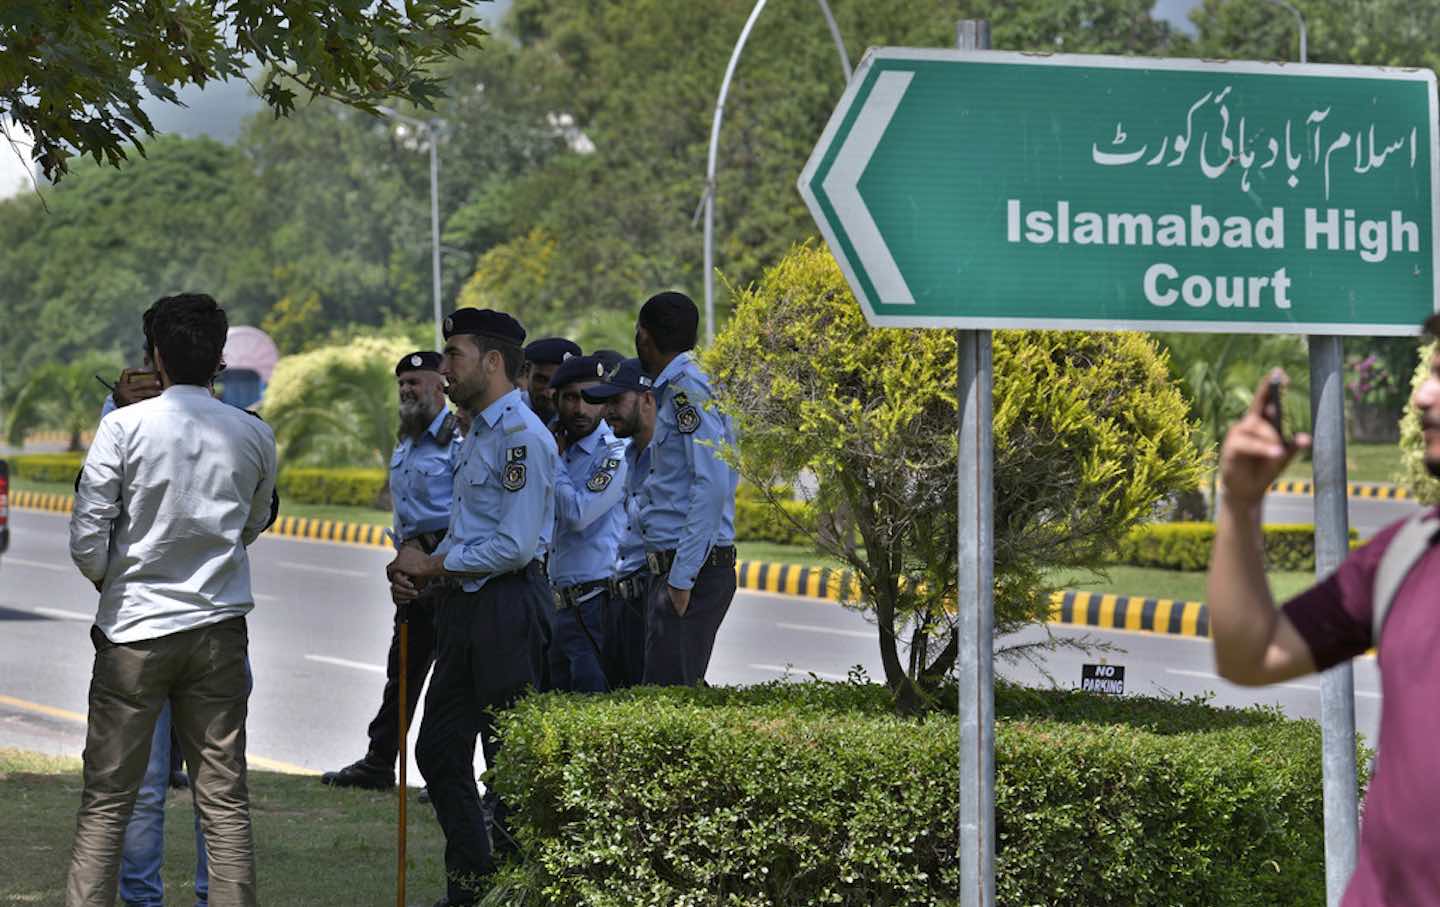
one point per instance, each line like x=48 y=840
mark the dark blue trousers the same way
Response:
x=489 y=650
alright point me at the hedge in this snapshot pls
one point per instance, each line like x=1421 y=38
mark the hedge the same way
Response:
x=1186 y=546
x=50 y=467
x=814 y=793
x=356 y=487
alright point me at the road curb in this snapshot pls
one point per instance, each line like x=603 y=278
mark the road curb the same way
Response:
x=1090 y=609
x=1381 y=490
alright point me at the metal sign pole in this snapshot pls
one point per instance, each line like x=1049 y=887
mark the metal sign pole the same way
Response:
x=1337 y=685
x=975 y=571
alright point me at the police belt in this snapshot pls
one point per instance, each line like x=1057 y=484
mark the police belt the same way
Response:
x=661 y=561
x=457 y=582
x=580 y=593
x=428 y=541
x=631 y=585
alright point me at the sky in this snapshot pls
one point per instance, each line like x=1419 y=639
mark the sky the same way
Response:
x=219 y=109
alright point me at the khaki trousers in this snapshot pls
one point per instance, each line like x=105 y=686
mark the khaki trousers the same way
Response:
x=202 y=673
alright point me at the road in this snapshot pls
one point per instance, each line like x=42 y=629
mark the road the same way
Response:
x=320 y=629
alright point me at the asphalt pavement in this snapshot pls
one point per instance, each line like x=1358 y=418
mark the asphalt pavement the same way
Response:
x=321 y=627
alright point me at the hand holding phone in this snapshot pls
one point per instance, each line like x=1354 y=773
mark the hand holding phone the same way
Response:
x=136 y=384
x=1273 y=409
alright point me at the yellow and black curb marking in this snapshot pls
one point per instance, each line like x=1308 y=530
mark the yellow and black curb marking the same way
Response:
x=331 y=531
x=1106 y=611
x=37 y=500
x=797 y=579
x=1354 y=490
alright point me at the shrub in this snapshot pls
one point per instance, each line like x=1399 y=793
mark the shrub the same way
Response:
x=1186 y=546
x=758 y=521
x=815 y=793
x=52 y=467
x=356 y=487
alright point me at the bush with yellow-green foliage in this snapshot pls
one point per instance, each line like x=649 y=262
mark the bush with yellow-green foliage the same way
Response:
x=1090 y=434
x=337 y=405
x=1422 y=485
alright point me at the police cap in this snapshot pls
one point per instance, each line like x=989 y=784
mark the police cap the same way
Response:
x=551 y=350
x=578 y=368
x=627 y=376
x=418 y=361
x=484 y=323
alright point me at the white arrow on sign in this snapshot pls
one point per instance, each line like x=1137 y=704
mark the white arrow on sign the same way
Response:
x=842 y=186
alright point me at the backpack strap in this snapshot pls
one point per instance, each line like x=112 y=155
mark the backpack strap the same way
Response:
x=1404 y=552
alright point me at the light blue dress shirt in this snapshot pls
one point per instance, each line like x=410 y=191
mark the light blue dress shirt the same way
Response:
x=504 y=501
x=589 y=509
x=631 y=556
x=687 y=499
x=422 y=481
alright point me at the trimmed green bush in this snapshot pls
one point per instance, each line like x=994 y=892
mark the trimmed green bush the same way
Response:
x=356 y=487
x=815 y=793
x=758 y=521
x=1186 y=546
x=49 y=467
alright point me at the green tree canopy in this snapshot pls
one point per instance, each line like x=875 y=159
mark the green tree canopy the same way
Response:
x=1090 y=434
x=72 y=73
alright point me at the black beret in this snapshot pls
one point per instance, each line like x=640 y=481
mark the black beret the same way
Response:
x=671 y=311
x=551 y=350
x=419 y=361
x=484 y=323
x=578 y=368
x=627 y=376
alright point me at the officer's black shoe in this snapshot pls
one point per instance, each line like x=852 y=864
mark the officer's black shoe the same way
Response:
x=179 y=781
x=424 y=795
x=360 y=774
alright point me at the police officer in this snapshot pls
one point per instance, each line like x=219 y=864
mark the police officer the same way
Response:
x=688 y=500
x=630 y=413
x=421 y=484
x=489 y=631
x=542 y=358
x=589 y=521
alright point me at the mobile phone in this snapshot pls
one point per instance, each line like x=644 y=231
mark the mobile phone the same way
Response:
x=139 y=375
x=1272 y=408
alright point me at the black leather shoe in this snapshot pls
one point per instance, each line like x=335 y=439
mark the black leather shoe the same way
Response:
x=360 y=774
x=179 y=781
x=424 y=795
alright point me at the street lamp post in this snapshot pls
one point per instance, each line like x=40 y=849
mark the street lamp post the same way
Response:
x=432 y=128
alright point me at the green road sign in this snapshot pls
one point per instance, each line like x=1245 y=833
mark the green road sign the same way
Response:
x=984 y=189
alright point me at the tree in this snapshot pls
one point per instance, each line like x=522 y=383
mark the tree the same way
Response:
x=1423 y=486
x=336 y=405
x=61 y=396
x=69 y=71
x=1089 y=435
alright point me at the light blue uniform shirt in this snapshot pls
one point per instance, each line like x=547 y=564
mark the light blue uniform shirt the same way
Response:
x=504 y=501
x=422 y=481
x=631 y=556
x=589 y=509
x=687 y=501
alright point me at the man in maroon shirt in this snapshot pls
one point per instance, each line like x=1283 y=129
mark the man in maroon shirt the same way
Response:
x=1256 y=644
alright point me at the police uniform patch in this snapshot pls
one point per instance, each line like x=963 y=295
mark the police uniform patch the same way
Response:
x=515 y=454
x=513 y=479
x=599 y=481
x=687 y=417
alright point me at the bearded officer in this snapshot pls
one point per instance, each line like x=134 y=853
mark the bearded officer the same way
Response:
x=589 y=523
x=421 y=484
x=489 y=624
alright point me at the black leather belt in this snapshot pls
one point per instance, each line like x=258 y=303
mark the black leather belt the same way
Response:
x=457 y=582
x=661 y=561
x=580 y=593
x=428 y=541
x=632 y=585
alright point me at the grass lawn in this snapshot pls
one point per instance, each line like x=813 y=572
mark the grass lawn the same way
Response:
x=18 y=484
x=1150 y=582
x=1363 y=463
x=315 y=846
